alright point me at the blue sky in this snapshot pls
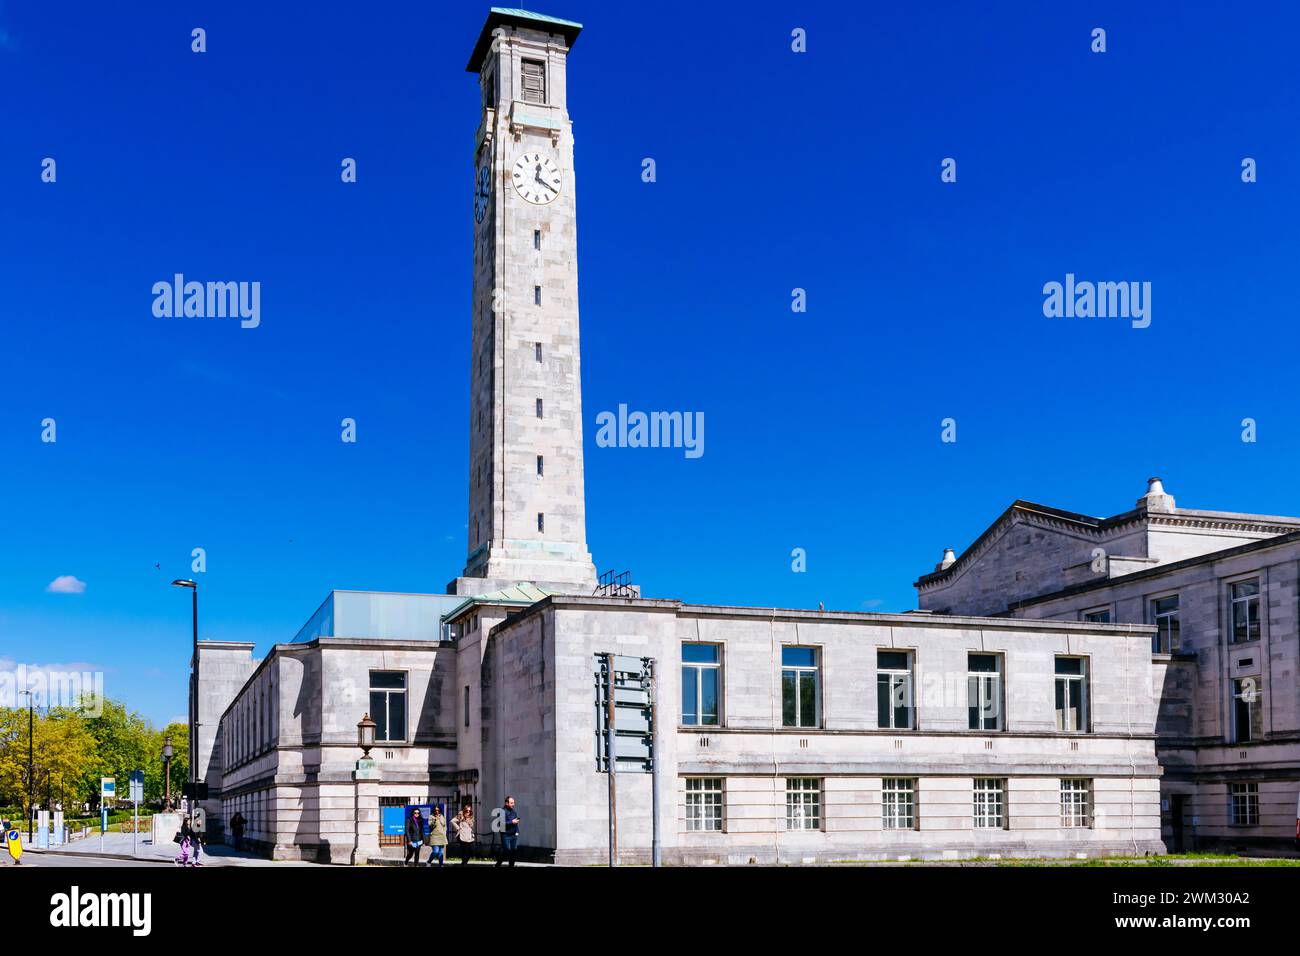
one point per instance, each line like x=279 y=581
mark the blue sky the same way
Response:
x=776 y=170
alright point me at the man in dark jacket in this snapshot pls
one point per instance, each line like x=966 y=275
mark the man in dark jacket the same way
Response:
x=414 y=836
x=237 y=828
x=509 y=833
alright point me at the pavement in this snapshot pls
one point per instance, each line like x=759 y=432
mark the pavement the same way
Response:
x=121 y=849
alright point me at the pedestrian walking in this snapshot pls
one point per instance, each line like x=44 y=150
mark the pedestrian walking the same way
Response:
x=414 y=837
x=237 y=824
x=463 y=826
x=510 y=833
x=186 y=838
x=436 y=839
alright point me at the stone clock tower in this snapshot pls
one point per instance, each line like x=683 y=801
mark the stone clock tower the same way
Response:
x=527 y=516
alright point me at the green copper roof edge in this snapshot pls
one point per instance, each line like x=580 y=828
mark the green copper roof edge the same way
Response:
x=569 y=29
x=498 y=598
x=521 y=12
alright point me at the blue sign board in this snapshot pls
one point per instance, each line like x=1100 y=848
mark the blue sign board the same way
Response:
x=103 y=819
x=393 y=820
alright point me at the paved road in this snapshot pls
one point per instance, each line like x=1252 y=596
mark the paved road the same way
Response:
x=47 y=860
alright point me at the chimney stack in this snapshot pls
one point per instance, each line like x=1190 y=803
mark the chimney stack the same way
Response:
x=1156 y=499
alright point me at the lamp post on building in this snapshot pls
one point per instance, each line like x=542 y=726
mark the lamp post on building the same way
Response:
x=366 y=807
x=194 y=688
x=365 y=736
x=31 y=773
x=167 y=752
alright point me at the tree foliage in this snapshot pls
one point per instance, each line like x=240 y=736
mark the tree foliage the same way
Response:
x=70 y=751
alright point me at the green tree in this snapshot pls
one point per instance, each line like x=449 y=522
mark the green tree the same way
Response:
x=71 y=751
x=63 y=752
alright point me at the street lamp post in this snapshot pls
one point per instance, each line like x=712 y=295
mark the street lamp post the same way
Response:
x=366 y=806
x=31 y=773
x=194 y=690
x=167 y=752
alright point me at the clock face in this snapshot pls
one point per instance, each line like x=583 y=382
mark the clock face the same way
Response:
x=482 y=192
x=536 y=178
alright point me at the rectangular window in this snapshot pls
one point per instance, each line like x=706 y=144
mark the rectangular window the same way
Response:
x=990 y=792
x=467 y=705
x=539 y=408
x=1243 y=804
x=388 y=705
x=541 y=521
x=894 y=690
x=984 y=691
x=1099 y=616
x=533 y=73
x=537 y=238
x=803 y=803
x=1072 y=694
x=1245 y=611
x=701 y=684
x=537 y=351
x=898 y=803
x=1164 y=615
x=540 y=467
x=1076 y=802
x=537 y=295
x=1247 y=715
x=799 y=686
x=704 y=803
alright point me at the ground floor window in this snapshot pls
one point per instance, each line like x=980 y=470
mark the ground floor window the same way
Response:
x=1243 y=804
x=1076 y=802
x=990 y=793
x=704 y=803
x=803 y=803
x=898 y=803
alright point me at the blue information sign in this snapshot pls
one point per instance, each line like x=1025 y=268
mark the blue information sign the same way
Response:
x=394 y=820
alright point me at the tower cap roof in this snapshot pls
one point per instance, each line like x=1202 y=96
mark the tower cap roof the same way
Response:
x=513 y=16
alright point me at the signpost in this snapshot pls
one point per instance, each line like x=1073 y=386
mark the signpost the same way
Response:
x=625 y=732
x=14 y=839
x=107 y=791
x=137 y=796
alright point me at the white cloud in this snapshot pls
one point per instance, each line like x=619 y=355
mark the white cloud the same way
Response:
x=66 y=584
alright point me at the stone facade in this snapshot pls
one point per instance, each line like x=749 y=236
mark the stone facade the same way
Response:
x=1194 y=558
x=553 y=646
x=527 y=514
x=222 y=669
x=1035 y=549
x=289 y=738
